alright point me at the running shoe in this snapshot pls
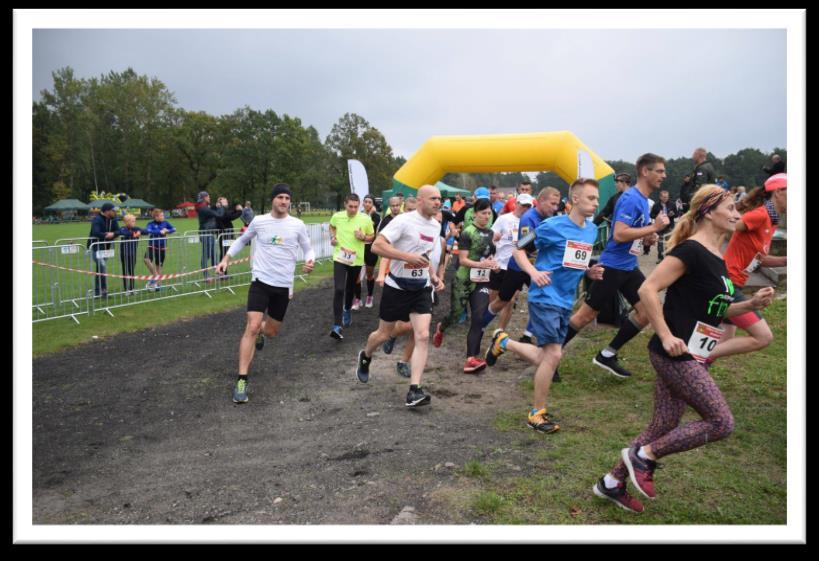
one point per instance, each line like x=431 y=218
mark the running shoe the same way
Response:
x=260 y=341
x=417 y=398
x=618 y=496
x=438 y=338
x=611 y=365
x=150 y=285
x=539 y=421
x=363 y=370
x=388 y=345
x=556 y=378
x=525 y=339
x=495 y=349
x=240 y=392
x=641 y=471
x=356 y=304
x=463 y=318
x=473 y=365
x=346 y=318
x=403 y=369
x=336 y=333
x=369 y=302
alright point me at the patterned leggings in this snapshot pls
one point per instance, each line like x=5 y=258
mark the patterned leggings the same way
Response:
x=679 y=384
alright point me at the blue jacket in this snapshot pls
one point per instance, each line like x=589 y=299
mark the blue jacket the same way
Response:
x=100 y=226
x=154 y=228
x=129 y=248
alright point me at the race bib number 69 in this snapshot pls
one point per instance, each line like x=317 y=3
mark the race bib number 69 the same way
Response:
x=577 y=255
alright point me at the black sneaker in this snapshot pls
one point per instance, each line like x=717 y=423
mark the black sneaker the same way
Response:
x=611 y=365
x=336 y=333
x=556 y=378
x=363 y=370
x=525 y=339
x=260 y=341
x=417 y=397
x=618 y=496
x=388 y=345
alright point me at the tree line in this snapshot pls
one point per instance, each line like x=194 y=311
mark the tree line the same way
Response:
x=125 y=133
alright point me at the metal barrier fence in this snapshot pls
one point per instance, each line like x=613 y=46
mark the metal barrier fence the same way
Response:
x=71 y=280
x=40 y=243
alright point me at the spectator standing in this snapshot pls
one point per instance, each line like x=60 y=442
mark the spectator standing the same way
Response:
x=104 y=228
x=208 y=217
x=130 y=233
x=158 y=230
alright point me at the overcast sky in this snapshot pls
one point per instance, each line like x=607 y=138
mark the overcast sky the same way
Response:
x=623 y=92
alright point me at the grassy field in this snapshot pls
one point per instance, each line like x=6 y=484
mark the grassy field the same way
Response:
x=740 y=480
x=55 y=335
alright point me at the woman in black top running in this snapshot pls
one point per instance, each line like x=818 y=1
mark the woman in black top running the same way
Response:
x=700 y=294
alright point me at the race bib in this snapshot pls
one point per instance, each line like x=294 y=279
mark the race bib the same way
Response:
x=577 y=255
x=479 y=275
x=346 y=256
x=637 y=247
x=703 y=340
x=414 y=272
x=754 y=265
x=105 y=254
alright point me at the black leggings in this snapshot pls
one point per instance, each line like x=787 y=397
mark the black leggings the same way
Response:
x=344 y=280
x=478 y=302
x=128 y=265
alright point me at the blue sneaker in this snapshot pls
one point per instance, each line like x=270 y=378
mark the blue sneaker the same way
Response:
x=403 y=369
x=240 y=392
x=346 y=318
x=363 y=370
x=463 y=318
x=388 y=346
x=336 y=333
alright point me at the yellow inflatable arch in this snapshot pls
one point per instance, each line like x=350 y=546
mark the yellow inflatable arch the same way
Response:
x=560 y=152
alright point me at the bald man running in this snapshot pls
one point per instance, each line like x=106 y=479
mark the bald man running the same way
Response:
x=407 y=241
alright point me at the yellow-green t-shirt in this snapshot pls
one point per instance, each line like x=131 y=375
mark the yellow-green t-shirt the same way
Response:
x=348 y=249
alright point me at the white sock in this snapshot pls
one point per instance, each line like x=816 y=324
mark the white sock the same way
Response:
x=641 y=454
x=607 y=353
x=610 y=482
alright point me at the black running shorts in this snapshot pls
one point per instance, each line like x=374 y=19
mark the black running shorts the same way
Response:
x=370 y=258
x=614 y=280
x=155 y=255
x=496 y=279
x=397 y=305
x=512 y=282
x=265 y=298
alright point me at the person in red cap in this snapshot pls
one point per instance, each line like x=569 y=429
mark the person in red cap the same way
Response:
x=748 y=250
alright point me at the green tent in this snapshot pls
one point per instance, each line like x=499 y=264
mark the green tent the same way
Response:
x=67 y=204
x=136 y=203
x=98 y=203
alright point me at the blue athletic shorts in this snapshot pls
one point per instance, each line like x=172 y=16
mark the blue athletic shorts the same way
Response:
x=548 y=324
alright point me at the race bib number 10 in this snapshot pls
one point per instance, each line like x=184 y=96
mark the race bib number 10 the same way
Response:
x=577 y=255
x=703 y=340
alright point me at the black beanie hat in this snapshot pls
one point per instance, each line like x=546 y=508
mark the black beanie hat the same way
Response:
x=281 y=188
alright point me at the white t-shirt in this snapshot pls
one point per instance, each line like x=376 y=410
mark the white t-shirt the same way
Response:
x=507 y=226
x=411 y=233
x=276 y=250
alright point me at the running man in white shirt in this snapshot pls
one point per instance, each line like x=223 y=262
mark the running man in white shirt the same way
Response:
x=408 y=242
x=278 y=239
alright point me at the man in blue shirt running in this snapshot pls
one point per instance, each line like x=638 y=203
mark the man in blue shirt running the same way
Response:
x=631 y=228
x=564 y=245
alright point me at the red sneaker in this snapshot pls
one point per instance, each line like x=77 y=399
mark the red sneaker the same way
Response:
x=641 y=471
x=438 y=338
x=618 y=496
x=473 y=365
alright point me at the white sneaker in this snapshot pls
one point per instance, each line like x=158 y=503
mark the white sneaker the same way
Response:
x=369 y=303
x=356 y=304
